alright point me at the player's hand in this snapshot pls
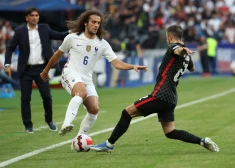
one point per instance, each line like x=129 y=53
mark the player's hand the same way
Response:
x=8 y=70
x=137 y=68
x=188 y=51
x=44 y=76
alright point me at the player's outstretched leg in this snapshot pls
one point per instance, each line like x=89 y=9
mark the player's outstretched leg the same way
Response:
x=119 y=130
x=209 y=144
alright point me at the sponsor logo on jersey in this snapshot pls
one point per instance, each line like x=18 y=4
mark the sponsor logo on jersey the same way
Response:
x=73 y=80
x=88 y=48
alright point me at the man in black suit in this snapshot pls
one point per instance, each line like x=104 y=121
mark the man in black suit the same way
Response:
x=34 y=41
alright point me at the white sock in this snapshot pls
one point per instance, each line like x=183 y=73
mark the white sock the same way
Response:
x=87 y=122
x=109 y=144
x=72 y=109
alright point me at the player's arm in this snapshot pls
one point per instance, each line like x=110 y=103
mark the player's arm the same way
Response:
x=202 y=47
x=111 y=57
x=124 y=66
x=54 y=59
x=191 y=66
x=181 y=51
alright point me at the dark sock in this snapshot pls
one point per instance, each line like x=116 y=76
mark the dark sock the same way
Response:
x=121 y=127
x=183 y=136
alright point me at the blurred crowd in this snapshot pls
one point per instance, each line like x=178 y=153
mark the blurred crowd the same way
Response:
x=146 y=20
x=6 y=33
x=136 y=25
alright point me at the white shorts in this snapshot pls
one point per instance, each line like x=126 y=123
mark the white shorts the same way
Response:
x=70 y=78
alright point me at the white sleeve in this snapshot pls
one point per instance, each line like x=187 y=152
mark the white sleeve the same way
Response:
x=66 y=45
x=173 y=47
x=108 y=52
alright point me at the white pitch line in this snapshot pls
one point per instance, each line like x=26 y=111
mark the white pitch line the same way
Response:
x=27 y=155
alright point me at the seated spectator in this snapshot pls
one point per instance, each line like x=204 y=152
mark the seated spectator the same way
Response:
x=153 y=35
x=190 y=35
x=114 y=43
x=7 y=31
x=230 y=32
x=232 y=66
x=4 y=78
x=133 y=47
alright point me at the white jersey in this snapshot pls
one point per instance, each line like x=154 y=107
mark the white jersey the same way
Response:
x=84 y=53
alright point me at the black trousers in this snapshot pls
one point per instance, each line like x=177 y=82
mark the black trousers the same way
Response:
x=212 y=64
x=32 y=73
x=204 y=62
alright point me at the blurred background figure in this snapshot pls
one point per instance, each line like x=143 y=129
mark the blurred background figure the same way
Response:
x=212 y=52
x=230 y=32
x=202 y=48
x=4 y=78
x=133 y=47
x=232 y=66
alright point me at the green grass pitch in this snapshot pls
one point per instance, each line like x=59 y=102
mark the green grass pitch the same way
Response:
x=144 y=144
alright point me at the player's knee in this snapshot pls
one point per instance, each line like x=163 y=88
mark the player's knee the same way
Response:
x=126 y=115
x=79 y=92
x=125 y=119
x=172 y=134
x=93 y=109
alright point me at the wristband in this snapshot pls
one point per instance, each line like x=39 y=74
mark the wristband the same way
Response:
x=7 y=65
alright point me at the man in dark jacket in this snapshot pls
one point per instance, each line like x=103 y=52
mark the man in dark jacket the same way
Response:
x=34 y=41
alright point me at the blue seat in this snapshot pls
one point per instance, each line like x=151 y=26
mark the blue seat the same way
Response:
x=6 y=91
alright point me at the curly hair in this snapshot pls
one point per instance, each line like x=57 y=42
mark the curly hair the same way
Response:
x=77 y=26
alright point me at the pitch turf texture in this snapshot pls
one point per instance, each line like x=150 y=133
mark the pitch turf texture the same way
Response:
x=143 y=146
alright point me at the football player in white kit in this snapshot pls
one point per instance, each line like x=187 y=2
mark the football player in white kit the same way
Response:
x=85 y=45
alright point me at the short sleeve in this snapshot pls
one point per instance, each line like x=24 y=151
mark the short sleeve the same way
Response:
x=190 y=65
x=109 y=53
x=66 y=45
x=173 y=47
